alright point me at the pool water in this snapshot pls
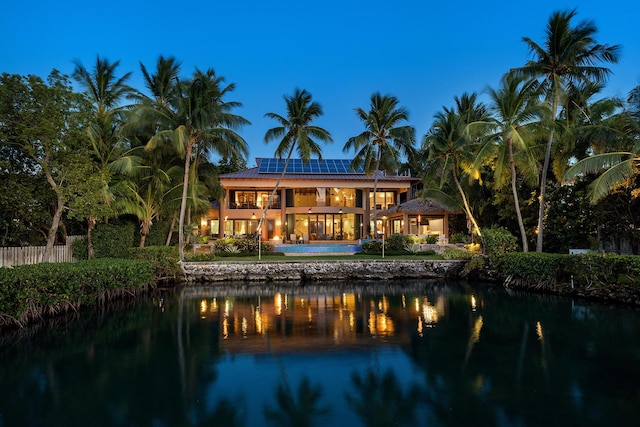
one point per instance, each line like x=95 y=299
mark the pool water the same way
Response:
x=318 y=248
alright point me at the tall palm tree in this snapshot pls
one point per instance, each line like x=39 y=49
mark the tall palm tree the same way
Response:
x=105 y=90
x=511 y=134
x=295 y=132
x=450 y=150
x=569 y=55
x=198 y=120
x=384 y=141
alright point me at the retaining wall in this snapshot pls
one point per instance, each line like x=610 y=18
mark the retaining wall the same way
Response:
x=305 y=271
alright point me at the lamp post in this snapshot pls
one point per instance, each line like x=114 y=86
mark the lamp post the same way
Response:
x=384 y=220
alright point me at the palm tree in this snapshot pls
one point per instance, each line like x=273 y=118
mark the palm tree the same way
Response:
x=568 y=56
x=197 y=120
x=615 y=167
x=448 y=146
x=105 y=91
x=383 y=142
x=295 y=132
x=511 y=134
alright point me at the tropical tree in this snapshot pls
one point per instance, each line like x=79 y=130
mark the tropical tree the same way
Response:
x=105 y=91
x=568 y=56
x=450 y=150
x=295 y=132
x=384 y=141
x=44 y=122
x=510 y=138
x=197 y=120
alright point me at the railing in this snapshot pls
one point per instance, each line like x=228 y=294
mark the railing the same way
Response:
x=13 y=256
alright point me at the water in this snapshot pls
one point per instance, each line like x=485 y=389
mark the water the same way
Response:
x=412 y=353
x=318 y=248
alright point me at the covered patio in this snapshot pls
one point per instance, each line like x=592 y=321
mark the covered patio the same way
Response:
x=418 y=217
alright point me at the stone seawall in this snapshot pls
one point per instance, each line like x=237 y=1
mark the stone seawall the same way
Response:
x=308 y=271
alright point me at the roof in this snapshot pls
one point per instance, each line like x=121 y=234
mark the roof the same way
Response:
x=415 y=206
x=256 y=173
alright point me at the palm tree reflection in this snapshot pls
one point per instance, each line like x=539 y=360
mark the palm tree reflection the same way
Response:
x=296 y=411
x=380 y=400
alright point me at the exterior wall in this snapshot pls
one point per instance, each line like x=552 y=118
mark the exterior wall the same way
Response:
x=352 y=213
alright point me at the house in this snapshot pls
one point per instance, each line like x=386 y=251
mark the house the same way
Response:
x=320 y=201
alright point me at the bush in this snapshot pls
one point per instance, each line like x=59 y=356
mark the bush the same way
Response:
x=397 y=243
x=109 y=241
x=372 y=247
x=498 y=242
x=241 y=247
x=431 y=239
x=459 y=238
x=457 y=254
x=31 y=291
x=164 y=260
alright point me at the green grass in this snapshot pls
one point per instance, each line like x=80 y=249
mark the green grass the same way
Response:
x=329 y=257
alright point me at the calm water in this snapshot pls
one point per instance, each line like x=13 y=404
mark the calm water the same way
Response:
x=412 y=353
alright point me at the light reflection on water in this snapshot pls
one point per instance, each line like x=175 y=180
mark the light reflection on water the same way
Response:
x=388 y=353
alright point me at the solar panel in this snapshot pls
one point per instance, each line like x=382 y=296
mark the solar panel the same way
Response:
x=314 y=166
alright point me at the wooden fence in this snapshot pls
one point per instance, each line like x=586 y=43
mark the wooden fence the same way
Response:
x=10 y=257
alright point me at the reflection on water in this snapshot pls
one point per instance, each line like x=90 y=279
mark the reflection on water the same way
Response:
x=417 y=353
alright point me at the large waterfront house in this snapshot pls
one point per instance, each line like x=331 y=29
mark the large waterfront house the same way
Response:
x=321 y=201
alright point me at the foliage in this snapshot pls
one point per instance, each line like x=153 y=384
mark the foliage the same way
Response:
x=112 y=240
x=580 y=270
x=32 y=291
x=456 y=254
x=164 y=260
x=372 y=247
x=459 y=238
x=497 y=242
x=242 y=246
x=397 y=243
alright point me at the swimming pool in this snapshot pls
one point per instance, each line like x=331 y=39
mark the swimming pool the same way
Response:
x=318 y=248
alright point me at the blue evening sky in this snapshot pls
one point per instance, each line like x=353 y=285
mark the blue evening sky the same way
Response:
x=423 y=52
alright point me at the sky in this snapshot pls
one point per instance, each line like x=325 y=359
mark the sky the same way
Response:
x=423 y=52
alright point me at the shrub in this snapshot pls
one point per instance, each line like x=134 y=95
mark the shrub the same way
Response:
x=431 y=239
x=30 y=291
x=497 y=242
x=109 y=241
x=372 y=247
x=397 y=243
x=164 y=260
x=459 y=238
x=243 y=246
x=457 y=254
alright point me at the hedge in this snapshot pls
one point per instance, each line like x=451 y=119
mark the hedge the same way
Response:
x=33 y=291
x=579 y=270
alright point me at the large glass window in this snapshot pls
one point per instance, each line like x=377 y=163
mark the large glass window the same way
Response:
x=342 y=197
x=240 y=227
x=251 y=199
x=326 y=226
x=384 y=199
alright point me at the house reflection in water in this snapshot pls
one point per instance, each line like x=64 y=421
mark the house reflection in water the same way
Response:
x=294 y=322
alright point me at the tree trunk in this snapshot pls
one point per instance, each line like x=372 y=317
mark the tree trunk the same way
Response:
x=375 y=191
x=53 y=230
x=183 y=204
x=466 y=204
x=91 y=224
x=170 y=233
x=514 y=189
x=273 y=193
x=543 y=180
x=144 y=230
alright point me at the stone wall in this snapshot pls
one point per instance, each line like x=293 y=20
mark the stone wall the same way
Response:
x=313 y=270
